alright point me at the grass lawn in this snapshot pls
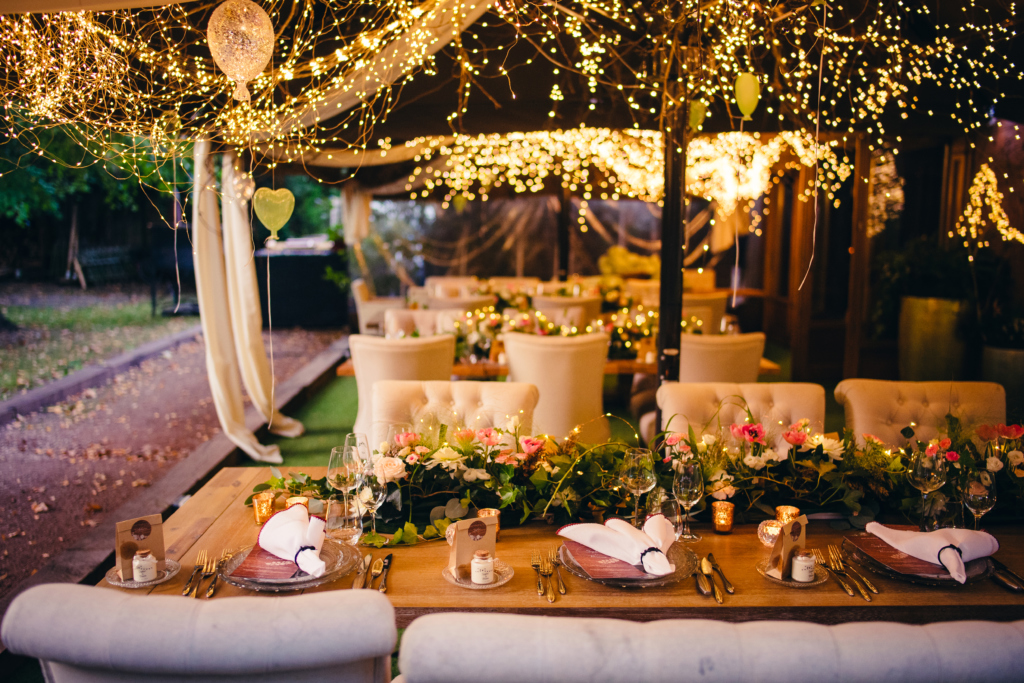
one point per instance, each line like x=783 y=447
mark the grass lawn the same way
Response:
x=54 y=342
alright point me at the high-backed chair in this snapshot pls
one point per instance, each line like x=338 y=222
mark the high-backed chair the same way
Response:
x=720 y=357
x=404 y=322
x=553 y=305
x=84 y=634
x=882 y=408
x=449 y=285
x=471 y=404
x=370 y=310
x=581 y=650
x=569 y=372
x=715 y=302
x=446 y=317
x=777 y=405
x=698 y=280
x=645 y=292
x=462 y=303
x=528 y=284
x=374 y=359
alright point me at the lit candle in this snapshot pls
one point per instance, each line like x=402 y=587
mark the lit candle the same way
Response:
x=492 y=512
x=786 y=513
x=768 y=532
x=721 y=512
x=263 y=506
x=297 y=500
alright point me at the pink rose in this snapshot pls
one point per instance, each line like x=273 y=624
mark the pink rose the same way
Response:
x=673 y=438
x=795 y=438
x=530 y=444
x=931 y=450
x=420 y=450
x=987 y=432
x=945 y=443
x=737 y=431
x=488 y=437
x=952 y=456
x=412 y=459
x=667 y=458
x=405 y=439
x=509 y=458
x=871 y=438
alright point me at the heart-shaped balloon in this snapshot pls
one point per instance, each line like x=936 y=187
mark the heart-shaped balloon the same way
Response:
x=273 y=207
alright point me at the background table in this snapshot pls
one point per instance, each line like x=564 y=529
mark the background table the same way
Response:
x=490 y=369
x=216 y=519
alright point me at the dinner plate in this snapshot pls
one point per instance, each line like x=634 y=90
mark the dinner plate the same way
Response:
x=340 y=558
x=171 y=568
x=682 y=557
x=976 y=570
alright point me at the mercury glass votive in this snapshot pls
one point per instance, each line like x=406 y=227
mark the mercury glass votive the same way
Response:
x=263 y=506
x=786 y=513
x=768 y=532
x=492 y=512
x=721 y=515
x=297 y=500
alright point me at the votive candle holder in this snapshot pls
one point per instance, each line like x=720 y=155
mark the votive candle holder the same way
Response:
x=786 y=513
x=492 y=512
x=721 y=515
x=297 y=500
x=263 y=506
x=768 y=532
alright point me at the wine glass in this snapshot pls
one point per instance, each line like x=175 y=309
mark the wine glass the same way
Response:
x=395 y=429
x=372 y=495
x=345 y=468
x=637 y=475
x=688 y=485
x=926 y=473
x=980 y=494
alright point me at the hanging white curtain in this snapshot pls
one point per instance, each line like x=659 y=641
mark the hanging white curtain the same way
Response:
x=355 y=213
x=215 y=311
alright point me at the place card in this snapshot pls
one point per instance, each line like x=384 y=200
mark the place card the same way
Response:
x=793 y=537
x=141 y=533
x=470 y=535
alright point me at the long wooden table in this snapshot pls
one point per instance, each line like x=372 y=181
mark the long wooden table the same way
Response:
x=488 y=369
x=216 y=518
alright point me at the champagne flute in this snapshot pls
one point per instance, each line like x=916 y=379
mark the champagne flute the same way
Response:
x=926 y=473
x=688 y=485
x=980 y=494
x=637 y=475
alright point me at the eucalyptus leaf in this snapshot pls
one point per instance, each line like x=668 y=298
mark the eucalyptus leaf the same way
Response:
x=316 y=506
x=455 y=510
x=276 y=473
x=437 y=513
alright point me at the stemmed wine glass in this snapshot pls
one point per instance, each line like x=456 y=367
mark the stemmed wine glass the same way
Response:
x=395 y=429
x=345 y=470
x=372 y=495
x=980 y=494
x=688 y=485
x=637 y=475
x=926 y=473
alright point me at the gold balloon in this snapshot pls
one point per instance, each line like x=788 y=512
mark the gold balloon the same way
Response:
x=273 y=208
x=241 y=39
x=697 y=113
x=748 y=93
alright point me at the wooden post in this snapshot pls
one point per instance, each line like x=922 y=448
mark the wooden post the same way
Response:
x=672 y=219
x=564 y=221
x=860 y=258
x=800 y=255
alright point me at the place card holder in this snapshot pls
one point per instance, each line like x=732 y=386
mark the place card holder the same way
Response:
x=141 y=533
x=470 y=535
x=792 y=537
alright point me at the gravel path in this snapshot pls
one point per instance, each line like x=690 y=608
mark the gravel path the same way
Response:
x=63 y=469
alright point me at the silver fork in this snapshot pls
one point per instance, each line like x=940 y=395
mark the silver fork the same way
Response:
x=848 y=567
x=837 y=568
x=200 y=563
x=556 y=563
x=535 y=563
x=208 y=570
x=820 y=559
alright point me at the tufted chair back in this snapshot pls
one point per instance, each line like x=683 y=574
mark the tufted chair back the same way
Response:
x=360 y=292
x=569 y=372
x=884 y=408
x=778 y=404
x=516 y=284
x=720 y=357
x=551 y=306
x=403 y=322
x=375 y=359
x=448 y=285
x=713 y=301
x=462 y=303
x=473 y=404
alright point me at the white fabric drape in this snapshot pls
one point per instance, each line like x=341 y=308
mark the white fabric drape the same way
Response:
x=215 y=311
x=355 y=213
x=244 y=302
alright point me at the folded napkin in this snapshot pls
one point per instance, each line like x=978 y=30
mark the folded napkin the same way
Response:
x=617 y=538
x=948 y=547
x=293 y=535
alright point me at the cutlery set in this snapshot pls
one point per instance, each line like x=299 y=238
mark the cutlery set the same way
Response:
x=367 y=573
x=549 y=578
x=706 y=584
x=841 y=570
x=205 y=568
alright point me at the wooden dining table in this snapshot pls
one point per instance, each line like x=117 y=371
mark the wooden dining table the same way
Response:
x=216 y=519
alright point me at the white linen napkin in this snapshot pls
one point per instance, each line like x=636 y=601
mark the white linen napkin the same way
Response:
x=616 y=538
x=939 y=546
x=292 y=535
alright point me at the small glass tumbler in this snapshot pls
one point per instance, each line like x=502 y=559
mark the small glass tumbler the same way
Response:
x=721 y=514
x=297 y=500
x=492 y=512
x=786 y=513
x=768 y=532
x=263 y=506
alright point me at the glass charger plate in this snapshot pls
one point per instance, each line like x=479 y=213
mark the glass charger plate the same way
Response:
x=340 y=558
x=682 y=557
x=976 y=570
x=171 y=568
x=502 y=574
x=820 y=576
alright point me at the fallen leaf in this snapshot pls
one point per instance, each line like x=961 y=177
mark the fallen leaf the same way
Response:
x=39 y=507
x=140 y=482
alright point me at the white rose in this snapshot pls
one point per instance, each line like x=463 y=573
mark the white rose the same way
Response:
x=770 y=455
x=1015 y=458
x=993 y=464
x=832 y=447
x=723 y=493
x=472 y=474
x=389 y=469
x=513 y=424
x=753 y=462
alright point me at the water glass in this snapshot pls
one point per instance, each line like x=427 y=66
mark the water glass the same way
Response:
x=980 y=494
x=688 y=487
x=637 y=476
x=926 y=473
x=344 y=520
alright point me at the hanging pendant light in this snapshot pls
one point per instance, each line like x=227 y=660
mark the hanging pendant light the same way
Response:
x=241 y=38
x=748 y=93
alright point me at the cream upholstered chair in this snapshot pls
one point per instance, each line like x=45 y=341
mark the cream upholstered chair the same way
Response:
x=515 y=283
x=473 y=404
x=84 y=634
x=443 y=286
x=462 y=303
x=882 y=408
x=446 y=317
x=777 y=405
x=582 y=650
x=569 y=372
x=375 y=359
x=418 y=295
x=720 y=357
x=402 y=323
x=645 y=292
x=698 y=280
x=553 y=305
x=715 y=302
x=370 y=310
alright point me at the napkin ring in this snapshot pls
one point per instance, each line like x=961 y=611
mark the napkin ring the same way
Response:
x=306 y=547
x=960 y=552
x=649 y=550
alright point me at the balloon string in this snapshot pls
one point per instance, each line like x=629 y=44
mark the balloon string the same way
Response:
x=817 y=133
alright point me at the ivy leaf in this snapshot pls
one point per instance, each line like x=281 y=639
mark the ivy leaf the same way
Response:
x=410 y=535
x=526 y=512
x=374 y=540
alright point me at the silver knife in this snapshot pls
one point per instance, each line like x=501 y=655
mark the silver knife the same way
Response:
x=384 y=577
x=360 y=580
x=725 y=582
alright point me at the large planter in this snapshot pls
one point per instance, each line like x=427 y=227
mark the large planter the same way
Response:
x=1006 y=367
x=930 y=348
